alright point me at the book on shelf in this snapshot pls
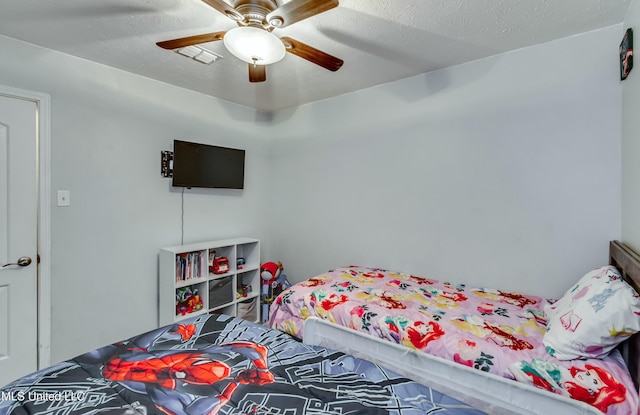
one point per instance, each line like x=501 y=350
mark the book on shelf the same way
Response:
x=188 y=265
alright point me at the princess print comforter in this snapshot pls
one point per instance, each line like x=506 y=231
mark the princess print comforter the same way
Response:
x=494 y=331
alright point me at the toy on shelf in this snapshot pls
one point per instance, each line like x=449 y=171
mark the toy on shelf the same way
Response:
x=220 y=265
x=243 y=290
x=273 y=283
x=240 y=262
x=196 y=301
x=188 y=301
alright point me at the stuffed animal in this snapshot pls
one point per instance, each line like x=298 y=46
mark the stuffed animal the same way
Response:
x=273 y=283
x=270 y=271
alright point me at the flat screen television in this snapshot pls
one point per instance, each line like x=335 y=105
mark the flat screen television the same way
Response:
x=203 y=165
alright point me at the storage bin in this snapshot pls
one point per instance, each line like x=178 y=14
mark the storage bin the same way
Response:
x=248 y=309
x=221 y=291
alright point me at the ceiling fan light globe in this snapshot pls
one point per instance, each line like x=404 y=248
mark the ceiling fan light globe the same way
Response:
x=254 y=45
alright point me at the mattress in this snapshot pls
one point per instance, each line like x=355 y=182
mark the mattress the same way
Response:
x=489 y=330
x=217 y=364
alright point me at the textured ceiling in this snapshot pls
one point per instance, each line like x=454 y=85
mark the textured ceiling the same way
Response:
x=379 y=40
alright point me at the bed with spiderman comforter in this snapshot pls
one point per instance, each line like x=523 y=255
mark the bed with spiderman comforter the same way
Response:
x=217 y=364
x=494 y=331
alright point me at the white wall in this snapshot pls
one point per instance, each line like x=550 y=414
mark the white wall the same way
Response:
x=631 y=138
x=503 y=172
x=107 y=131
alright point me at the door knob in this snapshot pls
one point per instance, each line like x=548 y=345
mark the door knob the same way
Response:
x=23 y=261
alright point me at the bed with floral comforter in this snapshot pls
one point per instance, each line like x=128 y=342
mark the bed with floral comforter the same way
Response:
x=490 y=330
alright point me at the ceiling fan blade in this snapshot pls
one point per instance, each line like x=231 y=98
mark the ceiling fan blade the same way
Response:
x=257 y=73
x=312 y=54
x=191 y=40
x=296 y=10
x=226 y=9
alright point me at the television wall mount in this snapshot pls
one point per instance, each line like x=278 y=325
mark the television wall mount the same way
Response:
x=166 y=163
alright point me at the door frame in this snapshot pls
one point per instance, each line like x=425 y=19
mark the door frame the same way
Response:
x=43 y=159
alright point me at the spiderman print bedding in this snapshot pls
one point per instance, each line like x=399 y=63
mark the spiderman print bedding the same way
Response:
x=494 y=331
x=216 y=364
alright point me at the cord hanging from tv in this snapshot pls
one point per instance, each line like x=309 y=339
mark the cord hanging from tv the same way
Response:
x=203 y=165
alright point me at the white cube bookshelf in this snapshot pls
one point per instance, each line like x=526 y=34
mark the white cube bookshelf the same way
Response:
x=235 y=292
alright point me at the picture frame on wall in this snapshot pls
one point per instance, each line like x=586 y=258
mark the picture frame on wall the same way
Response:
x=626 y=54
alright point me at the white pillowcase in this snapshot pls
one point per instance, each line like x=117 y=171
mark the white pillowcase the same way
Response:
x=592 y=317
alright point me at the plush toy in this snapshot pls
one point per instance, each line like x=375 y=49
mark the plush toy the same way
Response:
x=270 y=271
x=273 y=283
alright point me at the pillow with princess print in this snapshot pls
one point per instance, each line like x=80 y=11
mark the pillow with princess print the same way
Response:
x=593 y=317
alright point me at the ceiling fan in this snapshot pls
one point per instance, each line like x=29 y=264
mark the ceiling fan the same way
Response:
x=253 y=41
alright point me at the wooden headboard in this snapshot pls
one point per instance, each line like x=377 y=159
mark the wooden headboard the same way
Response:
x=627 y=261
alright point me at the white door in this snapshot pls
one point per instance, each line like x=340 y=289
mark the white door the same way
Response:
x=18 y=237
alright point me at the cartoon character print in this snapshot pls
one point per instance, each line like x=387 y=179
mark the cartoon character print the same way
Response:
x=599 y=301
x=399 y=275
x=443 y=299
x=364 y=276
x=381 y=298
x=310 y=302
x=316 y=281
x=468 y=353
x=299 y=302
x=322 y=303
x=409 y=293
x=345 y=286
x=458 y=297
x=390 y=328
x=166 y=376
x=489 y=309
x=333 y=300
x=360 y=318
x=515 y=299
x=401 y=285
x=421 y=280
x=411 y=296
x=502 y=335
x=590 y=384
x=457 y=287
x=570 y=321
x=581 y=293
x=486 y=293
x=314 y=297
x=420 y=334
x=471 y=324
x=435 y=315
x=534 y=320
x=285 y=297
x=595 y=386
x=538 y=316
x=413 y=334
x=288 y=326
x=623 y=332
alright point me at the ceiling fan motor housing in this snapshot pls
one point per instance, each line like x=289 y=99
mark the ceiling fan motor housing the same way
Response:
x=255 y=13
